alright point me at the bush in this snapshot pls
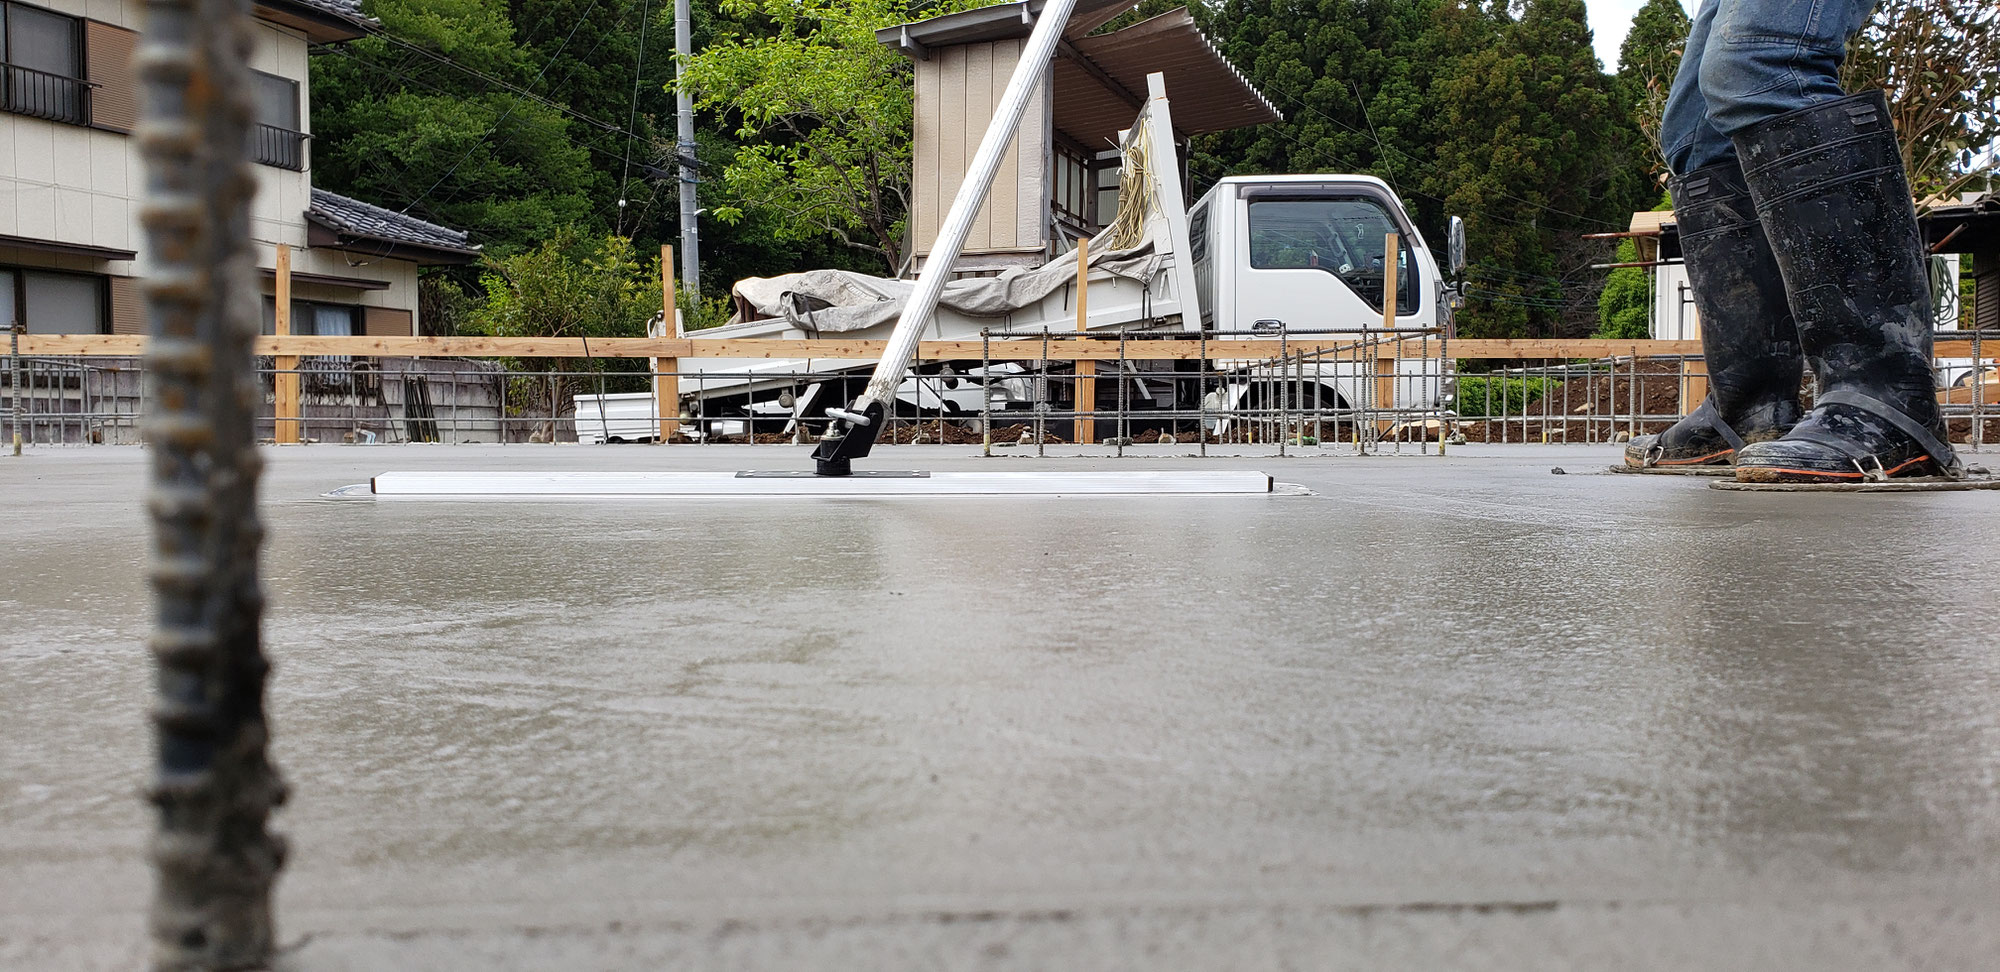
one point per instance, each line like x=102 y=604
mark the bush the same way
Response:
x=1510 y=396
x=1622 y=307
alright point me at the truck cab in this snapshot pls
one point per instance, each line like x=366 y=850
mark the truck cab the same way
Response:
x=1307 y=251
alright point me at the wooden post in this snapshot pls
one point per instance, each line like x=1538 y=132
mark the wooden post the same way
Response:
x=667 y=387
x=1386 y=349
x=1086 y=382
x=1694 y=384
x=285 y=420
x=1693 y=389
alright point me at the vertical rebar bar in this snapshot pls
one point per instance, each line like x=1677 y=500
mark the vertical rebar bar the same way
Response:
x=1124 y=397
x=15 y=379
x=1042 y=400
x=214 y=859
x=1635 y=396
x=1298 y=375
x=986 y=392
x=1978 y=436
x=1201 y=391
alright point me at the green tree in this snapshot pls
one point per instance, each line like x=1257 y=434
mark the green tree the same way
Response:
x=1939 y=62
x=1351 y=77
x=1535 y=148
x=823 y=115
x=571 y=285
x=1622 y=307
x=587 y=56
x=1648 y=61
x=403 y=121
x=1465 y=111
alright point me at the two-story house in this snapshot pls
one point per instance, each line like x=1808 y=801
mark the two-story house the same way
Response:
x=71 y=178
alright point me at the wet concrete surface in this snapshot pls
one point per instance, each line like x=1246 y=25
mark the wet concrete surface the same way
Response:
x=1440 y=713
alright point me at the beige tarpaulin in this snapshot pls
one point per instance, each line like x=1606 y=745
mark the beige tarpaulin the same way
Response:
x=835 y=301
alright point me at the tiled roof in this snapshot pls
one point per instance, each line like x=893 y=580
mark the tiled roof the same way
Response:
x=352 y=217
x=351 y=9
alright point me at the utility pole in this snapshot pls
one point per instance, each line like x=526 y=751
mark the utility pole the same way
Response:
x=684 y=152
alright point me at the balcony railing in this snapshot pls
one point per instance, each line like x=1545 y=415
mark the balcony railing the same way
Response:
x=281 y=147
x=40 y=94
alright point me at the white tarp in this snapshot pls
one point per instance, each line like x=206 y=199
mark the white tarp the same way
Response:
x=833 y=301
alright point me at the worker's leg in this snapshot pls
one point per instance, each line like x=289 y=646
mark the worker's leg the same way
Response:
x=1686 y=137
x=1747 y=336
x=1763 y=58
x=1827 y=177
x=1748 y=340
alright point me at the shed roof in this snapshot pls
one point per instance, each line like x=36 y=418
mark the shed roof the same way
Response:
x=1100 y=79
x=998 y=22
x=1968 y=224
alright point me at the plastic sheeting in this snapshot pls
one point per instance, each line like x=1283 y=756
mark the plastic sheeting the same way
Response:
x=836 y=301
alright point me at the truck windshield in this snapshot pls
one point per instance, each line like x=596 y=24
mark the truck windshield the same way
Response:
x=1342 y=236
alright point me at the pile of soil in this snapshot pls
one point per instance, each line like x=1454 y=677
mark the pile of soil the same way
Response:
x=1961 y=431
x=954 y=433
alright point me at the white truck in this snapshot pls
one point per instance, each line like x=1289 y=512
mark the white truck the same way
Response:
x=1264 y=257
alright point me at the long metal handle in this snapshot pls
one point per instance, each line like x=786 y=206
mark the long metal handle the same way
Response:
x=1028 y=73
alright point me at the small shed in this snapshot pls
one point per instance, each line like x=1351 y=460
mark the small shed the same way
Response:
x=1060 y=180
x=1970 y=225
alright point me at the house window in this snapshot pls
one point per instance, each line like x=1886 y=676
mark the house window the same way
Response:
x=52 y=303
x=41 y=64
x=276 y=138
x=316 y=318
x=1071 y=182
x=1071 y=187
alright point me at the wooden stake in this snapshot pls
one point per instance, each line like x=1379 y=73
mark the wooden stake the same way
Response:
x=1387 y=349
x=285 y=421
x=1694 y=387
x=667 y=387
x=1086 y=382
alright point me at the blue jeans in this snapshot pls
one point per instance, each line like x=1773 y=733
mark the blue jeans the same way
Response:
x=1750 y=60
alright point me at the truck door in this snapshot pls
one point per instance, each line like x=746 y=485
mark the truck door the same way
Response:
x=1315 y=258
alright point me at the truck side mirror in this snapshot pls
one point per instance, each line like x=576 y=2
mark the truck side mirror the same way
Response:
x=1455 y=246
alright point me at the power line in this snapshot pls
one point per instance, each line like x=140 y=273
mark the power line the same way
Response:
x=602 y=36
x=509 y=113
x=386 y=37
x=1432 y=166
x=423 y=83
x=632 y=120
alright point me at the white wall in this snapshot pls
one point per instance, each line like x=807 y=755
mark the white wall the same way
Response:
x=67 y=183
x=1674 y=317
x=79 y=185
x=276 y=216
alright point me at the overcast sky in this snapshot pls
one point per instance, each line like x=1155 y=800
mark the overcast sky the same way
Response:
x=1610 y=19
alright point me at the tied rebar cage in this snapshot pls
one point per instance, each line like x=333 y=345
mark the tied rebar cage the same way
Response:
x=213 y=858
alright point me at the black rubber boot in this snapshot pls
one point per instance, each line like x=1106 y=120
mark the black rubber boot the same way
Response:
x=1747 y=336
x=1834 y=201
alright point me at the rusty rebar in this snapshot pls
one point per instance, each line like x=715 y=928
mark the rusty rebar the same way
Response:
x=214 y=859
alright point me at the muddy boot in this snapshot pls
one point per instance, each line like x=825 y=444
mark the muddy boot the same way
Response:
x=1747 y=336
x=1832 y=196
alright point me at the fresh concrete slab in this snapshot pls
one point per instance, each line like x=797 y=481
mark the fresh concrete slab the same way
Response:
x=1419 y=713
